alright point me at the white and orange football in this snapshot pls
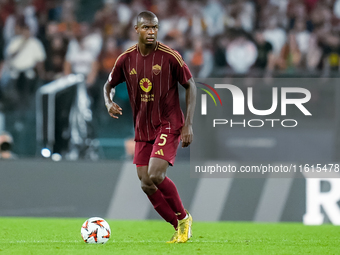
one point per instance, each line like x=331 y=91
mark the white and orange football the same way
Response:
x=95 y=230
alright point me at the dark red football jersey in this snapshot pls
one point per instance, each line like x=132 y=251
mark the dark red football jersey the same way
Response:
x=152 y=83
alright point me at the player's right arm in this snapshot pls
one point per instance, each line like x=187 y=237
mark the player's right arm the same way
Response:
x=115 y=77
x=112 y=108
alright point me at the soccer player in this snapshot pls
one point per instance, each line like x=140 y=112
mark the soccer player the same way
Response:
x=152 y=71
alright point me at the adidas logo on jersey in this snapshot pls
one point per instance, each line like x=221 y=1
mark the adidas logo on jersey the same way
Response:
x=133 y=71
x=159 y=152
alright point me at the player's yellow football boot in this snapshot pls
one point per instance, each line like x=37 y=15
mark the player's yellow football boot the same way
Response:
x=173 y=238
x=184 y=229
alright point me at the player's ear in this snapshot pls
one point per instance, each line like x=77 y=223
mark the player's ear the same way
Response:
x=136 y=28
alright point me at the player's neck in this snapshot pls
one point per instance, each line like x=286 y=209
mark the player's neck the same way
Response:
x=145 y=49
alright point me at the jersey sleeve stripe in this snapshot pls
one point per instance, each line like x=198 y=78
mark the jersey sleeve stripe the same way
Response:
x=132 y=47
x=125 y=52
x=180 y=61
x=171 y=50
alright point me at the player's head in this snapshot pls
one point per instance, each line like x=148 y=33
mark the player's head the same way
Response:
x=147 y=27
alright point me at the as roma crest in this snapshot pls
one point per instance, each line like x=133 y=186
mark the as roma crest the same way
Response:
x=156 y=69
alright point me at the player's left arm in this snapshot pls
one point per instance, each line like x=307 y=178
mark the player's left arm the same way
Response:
x=190 y=99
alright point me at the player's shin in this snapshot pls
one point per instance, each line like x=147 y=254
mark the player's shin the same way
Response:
x=170 y=193
x=163 y=208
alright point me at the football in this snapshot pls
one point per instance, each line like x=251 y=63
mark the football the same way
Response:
x=95 y=230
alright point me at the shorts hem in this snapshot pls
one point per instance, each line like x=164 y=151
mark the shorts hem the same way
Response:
x=171 y=162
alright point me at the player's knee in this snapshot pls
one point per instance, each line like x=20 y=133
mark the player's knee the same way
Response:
x=148 y=189
x=157 y=178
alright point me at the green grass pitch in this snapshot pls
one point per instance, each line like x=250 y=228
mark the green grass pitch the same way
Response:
x=51 y=236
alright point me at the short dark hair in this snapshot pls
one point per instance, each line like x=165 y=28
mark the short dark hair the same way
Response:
x=145 y=15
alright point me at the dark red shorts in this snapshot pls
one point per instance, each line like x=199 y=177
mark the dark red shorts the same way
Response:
x=164 y=147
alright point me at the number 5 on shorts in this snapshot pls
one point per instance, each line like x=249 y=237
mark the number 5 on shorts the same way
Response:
x=163 y=137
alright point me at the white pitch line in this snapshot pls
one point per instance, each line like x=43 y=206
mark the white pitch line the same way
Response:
x=41 y=241
x=80 y=241
x=191 y=241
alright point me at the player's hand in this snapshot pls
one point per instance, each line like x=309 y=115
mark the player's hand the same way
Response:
x=186 y=135
x=114 y=109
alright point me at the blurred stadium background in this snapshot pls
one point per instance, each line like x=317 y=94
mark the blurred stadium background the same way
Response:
x=56 y=55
